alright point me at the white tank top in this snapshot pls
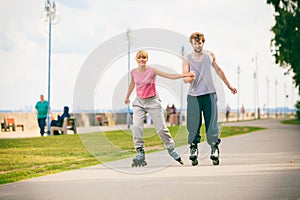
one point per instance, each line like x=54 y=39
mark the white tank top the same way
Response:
x=203 y=83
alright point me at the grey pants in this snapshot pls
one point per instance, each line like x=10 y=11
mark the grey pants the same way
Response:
x=208 y=105
x=153 y=107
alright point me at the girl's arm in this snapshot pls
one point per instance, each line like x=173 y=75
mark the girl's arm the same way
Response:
x=173 y=76
x=130 y=89
x=186 y=69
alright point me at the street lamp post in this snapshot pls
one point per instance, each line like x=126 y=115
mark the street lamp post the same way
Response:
x=285 y=111
x=128 y=34
x=257 y=85
x=254 y=93
x=276 y=83
x=238 y=96
x=50 y=11
x=268 y=107
x=292 y=91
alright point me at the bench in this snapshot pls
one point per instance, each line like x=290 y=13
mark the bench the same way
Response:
x=102 y=120
x=10 y=123
x=68 y=124
x=20 y=126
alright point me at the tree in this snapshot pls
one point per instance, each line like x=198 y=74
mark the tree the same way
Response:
x=285 y=45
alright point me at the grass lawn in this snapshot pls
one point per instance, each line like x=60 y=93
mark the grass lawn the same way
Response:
x=291 y=121
x=22 y=159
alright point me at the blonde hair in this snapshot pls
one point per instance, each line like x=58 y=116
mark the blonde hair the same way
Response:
x=197 y=37
x=141 y=53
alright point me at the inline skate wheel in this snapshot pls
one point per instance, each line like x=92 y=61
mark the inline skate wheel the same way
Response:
x=135 y=164
x=179 y=160
x=216 y=162
x=194 y=162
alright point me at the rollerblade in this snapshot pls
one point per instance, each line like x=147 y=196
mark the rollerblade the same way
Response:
x=174 y=155
x=215 y=152
x=194 y=154
x=139 y=159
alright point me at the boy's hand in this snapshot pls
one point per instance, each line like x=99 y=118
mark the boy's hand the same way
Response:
x=192 y=74
x=233 y=90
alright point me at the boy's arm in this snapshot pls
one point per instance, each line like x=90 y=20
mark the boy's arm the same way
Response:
x=221 y=74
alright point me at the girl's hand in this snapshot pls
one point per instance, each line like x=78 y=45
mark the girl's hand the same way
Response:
x=191 y=74
x=127 y=101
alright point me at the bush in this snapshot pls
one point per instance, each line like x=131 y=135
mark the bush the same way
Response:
x=298 y=110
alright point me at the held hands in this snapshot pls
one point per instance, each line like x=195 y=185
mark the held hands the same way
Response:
x=191 y=74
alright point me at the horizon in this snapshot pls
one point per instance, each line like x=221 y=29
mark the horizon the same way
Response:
x=272 y=110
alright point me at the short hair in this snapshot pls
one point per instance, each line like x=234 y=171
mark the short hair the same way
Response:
x=141 y=53
x=197 y=36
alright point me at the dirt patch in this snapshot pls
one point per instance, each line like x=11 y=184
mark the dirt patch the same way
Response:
x=153 y=148
x=245 y=129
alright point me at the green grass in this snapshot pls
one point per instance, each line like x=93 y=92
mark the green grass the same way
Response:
x=22 y=159
x=291 y=121
x=32 y=157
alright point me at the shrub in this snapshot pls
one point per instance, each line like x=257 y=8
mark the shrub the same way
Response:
x=298 y=110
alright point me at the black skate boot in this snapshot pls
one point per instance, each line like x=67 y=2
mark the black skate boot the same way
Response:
x=215 y=152
x=139 y=159
x=174 y=155
x=194 y=154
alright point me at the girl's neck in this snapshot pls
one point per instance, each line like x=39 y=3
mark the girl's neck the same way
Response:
x=142 y=68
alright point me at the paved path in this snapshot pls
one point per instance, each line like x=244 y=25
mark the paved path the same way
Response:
x=259 y=165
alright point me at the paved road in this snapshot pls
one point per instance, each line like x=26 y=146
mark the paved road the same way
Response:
x=259 y=165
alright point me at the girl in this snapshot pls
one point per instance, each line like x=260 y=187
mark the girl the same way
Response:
x=147 y=101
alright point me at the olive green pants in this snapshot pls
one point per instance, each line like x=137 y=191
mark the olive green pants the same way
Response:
x=206 y=104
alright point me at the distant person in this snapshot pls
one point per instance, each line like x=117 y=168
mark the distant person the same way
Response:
x=147 y=100
x=173 y=109
x=41 y=108
x=227 y=114
x=243 y=111
x=202 y=97
x=60 y=119
x=172 y=116
x=168 y=112
x=263 y=112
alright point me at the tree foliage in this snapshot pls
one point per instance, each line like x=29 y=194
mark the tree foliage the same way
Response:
x=286 y=42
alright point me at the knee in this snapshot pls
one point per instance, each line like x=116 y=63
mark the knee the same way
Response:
x=137 y=129
x=163 y=130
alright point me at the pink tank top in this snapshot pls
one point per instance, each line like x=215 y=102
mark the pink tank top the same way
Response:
x=144 y=82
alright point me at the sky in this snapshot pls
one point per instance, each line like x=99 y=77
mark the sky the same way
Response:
x=236 y=31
